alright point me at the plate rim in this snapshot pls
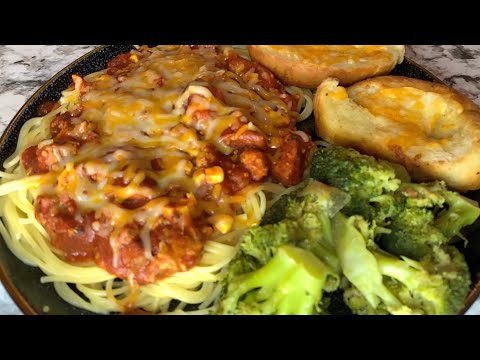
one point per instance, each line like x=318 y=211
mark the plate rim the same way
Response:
x=17 y=296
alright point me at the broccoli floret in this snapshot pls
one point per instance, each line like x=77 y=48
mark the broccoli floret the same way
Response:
x=459 y=213
x=274 y=288
x=412 y=233
x=425 y=216
x=278 y=211
x=262 y=242
x=381 y=283
x=436 y=285
x=306 y=225
x=310 y=197
x=413 y=285
x=413 y=217
x=359 y=305
x=425 y=195
x=450 y=264
x=361 y=176
x=360 y=267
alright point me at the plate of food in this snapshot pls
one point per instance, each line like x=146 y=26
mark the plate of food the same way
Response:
x=264 y=179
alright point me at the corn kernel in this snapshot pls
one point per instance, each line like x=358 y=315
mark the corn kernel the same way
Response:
x=134 y=58
x=189 y=135
x=222 y=222
x=214 y=175
x=188 y=168
x=199 y=177
x=217 y=191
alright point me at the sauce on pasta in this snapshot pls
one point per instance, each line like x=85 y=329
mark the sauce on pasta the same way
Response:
x=156 y=154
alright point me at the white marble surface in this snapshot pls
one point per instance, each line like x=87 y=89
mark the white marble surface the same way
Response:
x=24 y=68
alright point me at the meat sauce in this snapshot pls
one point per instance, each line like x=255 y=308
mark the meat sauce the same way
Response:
x=177 y=236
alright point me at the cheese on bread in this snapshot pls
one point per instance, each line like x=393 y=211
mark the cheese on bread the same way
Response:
x=308 y=65
x=431 y=129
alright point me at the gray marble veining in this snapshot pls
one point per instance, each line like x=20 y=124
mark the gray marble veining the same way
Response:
x=24 y=68
x=457 y=65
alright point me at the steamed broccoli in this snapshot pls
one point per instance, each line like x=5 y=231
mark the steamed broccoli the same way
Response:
x=291 y=283
x=361 y=176
x=427 y=215
x=325 y=198
x=434 y=293
x=305 y=223
x=459 y=213
x=375 y=244
x=307 y=226
x=380 y=283
x=412 y=233
x=450 y=264
x=414 y=218
x=360 y=267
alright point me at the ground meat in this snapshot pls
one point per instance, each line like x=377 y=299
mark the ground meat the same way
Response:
x=240 y=66
x=42 y=160
x=47 y=107
x=246 y=139
x=119 y=62
x=208 y=156
x=289 y=167
x=72 y=235
x=134 y=202
x=157 y=164
x=176 y=246
x=65 y=127
x=256 y=162
x=216 y=92
x=237 y=178
x=176 y=242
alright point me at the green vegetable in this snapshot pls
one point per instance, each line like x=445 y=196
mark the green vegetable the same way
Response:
x=380 y=283
x=291 y=283
x=306 y=225
x=426 y=216
x=412 y=219
x=461 y=212
x=369 y=242
x=360 y=267
x=362 y=177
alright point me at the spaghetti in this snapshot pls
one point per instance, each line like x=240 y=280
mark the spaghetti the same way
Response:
x=133 y=190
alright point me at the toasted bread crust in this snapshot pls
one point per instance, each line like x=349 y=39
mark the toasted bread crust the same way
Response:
x=451 y=154
x=309 y=73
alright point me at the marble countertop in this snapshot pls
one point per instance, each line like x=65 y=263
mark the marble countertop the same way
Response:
x=24 y=68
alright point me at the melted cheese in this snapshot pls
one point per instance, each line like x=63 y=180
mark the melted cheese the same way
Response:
x=161 y=107
x=428 y=116
x=419 y=117
x=334 y=54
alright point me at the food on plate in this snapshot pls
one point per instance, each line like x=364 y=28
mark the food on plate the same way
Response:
x=429 y=128
x=344 y=244
x=176 y=181
x=308 y=65
x=418 y=217
x=132 y=190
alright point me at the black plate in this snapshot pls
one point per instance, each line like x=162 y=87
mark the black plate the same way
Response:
x=23 y=282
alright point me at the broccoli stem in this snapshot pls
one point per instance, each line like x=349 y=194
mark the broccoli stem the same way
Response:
x=461 y=212
x=427 y=291
x=360 y=266
x=406 y=271
x=292 y=282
